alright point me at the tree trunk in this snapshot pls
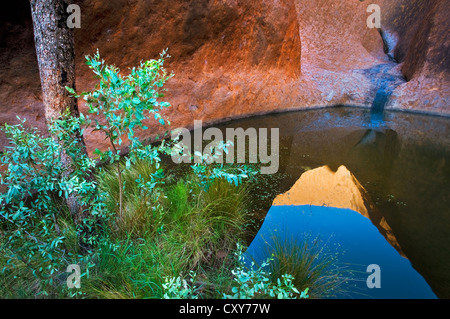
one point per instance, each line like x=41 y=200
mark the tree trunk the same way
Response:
x=54 y=42
x=55 y=54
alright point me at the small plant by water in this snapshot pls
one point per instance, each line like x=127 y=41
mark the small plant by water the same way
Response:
x=310 y=262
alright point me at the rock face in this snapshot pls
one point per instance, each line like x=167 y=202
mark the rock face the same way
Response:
x=230 y=58
x=235 y=58
x=420 y=31
x=340 y=189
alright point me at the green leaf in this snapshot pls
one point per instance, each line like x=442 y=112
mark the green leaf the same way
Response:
x=70 y=90
x=304 y=293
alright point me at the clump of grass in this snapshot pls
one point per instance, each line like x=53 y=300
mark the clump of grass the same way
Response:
x=206 y=223
x=135 y=217
x=170 y=230
x=18 y=283
x=311 y=264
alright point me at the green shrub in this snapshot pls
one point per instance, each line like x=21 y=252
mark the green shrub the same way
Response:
x=124 y=105
x=36 y=231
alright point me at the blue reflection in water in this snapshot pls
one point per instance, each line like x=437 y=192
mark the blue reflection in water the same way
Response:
x=361 y=244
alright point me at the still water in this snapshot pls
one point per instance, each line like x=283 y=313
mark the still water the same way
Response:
x=403 y=162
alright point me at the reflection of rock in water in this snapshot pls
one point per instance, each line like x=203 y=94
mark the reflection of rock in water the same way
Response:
x=377 y=149
x=340 y=189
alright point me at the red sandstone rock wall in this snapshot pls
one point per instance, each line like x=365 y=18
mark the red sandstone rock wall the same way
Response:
x=423 y=49
x=234 y=58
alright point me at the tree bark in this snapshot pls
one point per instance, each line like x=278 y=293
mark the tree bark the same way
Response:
x=54 y=42
x=55 y=54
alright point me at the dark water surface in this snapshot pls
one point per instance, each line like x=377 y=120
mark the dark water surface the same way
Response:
x=402 y=160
